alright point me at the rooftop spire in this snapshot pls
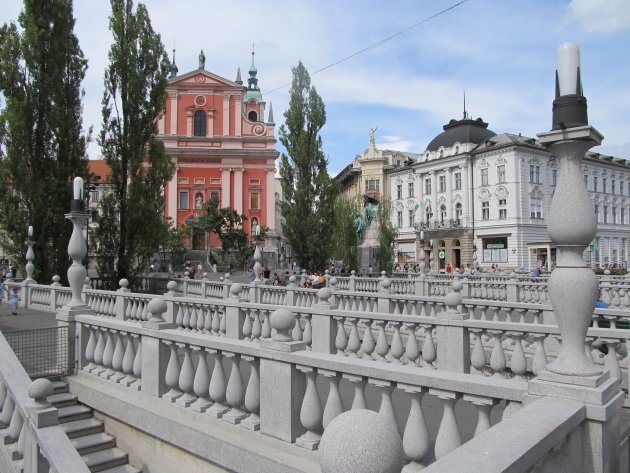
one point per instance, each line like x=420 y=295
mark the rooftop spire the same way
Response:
x=270 y=120
x=238 y=80
x=465 y=112
x=173 y=70
x=253 y=80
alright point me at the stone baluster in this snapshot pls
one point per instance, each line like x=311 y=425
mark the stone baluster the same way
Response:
x=235 y=392
x=216 y=321
x=368 y=345
x=429 y=352
x=311 y=412
x=297 y=333
x=252 y=395
x=539 y=362
x=234 y=317
x=453 y=350
x=90 y=348
x=172 y=373
x=498 y=362
x=484 y=406
x=341 y=340
x=266 y=324
x=354 y=341
x=218 y=386
x=207 y=320
x=358 y=382
x=247 y=325
x=416 y=440
x=611 y=360
x=307 y=337
x=334 y=404
x=412 y=351
x=201 y=383
x=382 y=345
x=256 y=326
x=129 y=358
x=397 y=349
x=7 y=411
x=186 y=320
x=386 y=407
x=108 y=355
x=117 y=359
x=448 y=437
x=99 y=350
x=186 y=378
x=518 y=362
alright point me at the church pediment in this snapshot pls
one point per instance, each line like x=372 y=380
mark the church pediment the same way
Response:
x=202 y=78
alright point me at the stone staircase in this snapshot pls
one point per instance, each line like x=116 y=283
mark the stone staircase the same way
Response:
x=97 y=448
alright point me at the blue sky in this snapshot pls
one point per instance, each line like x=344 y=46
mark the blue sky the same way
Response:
x=502 y=53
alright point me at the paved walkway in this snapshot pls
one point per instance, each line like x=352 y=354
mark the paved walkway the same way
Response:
x=25 y=320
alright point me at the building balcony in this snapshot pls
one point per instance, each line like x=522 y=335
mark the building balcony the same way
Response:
x=445 y=224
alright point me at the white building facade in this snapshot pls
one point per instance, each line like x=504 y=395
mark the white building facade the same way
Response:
x=480 y=198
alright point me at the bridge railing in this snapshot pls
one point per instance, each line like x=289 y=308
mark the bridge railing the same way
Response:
x=31 y=439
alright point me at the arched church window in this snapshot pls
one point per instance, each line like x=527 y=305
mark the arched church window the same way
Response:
x=200 y=123
x=253 y=116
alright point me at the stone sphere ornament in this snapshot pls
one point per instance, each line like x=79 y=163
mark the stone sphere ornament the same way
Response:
x=324 y=295
x=235 y=289
x=282 y=321
x=361 y=441
x=40 y=389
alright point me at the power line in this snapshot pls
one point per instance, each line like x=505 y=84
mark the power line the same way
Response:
x=372 y=46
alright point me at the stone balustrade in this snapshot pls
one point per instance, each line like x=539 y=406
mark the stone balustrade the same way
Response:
x=30 y=436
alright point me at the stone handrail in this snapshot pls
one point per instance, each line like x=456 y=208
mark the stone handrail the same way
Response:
x=542 y=436
x=31 y=435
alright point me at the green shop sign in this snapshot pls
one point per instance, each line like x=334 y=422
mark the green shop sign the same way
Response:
x=495 y=246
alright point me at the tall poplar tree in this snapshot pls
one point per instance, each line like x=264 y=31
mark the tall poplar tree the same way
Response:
x=309 y=192
x=41 y=70
x=132 y=215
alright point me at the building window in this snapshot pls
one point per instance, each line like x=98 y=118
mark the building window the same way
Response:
x=182 y=180
x=254 y=201
x=442 y=213
x=183 y=200
x=485 y=210
x=595 y=184
x=535 y=207
x=458 y=212
x=502 y=209
x=253 y=116
x=458 y=181
x=605 y=214
x=596 y=213
x=484 y=177
x=215 y=181
x=427 y=185
x=94 y=196
x=604 y=182
x=501 y=173
x=442 y=181
x=214 y=195
x=372 y=185
x=612 y=186
x=534 y=174
x=554 y=177
x=411 y=217
x=200 y=123
x=399 y=191
x=428 y=212
x=586 y=180
x=623 y=216
x=411 y=190
x=399 y=219
x=614 y=214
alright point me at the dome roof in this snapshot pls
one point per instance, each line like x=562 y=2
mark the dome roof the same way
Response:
x=461 y=131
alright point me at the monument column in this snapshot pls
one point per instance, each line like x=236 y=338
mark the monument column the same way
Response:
x=225 y=187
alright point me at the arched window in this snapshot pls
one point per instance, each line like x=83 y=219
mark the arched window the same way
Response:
x=428 y=212
x=253 y=116
x=200 y=123
x=458 y=211
x=442 y=213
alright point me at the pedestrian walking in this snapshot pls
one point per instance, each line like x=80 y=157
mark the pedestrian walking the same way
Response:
x=2 y=289
x=14 y=300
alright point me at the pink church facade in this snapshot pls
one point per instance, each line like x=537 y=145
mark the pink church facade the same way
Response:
x=215 y=131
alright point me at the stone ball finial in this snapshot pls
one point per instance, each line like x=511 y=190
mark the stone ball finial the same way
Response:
x=383 y=274
x=227 y=276
x=56 y=280
x=40 y=389
x=156 y=306
x=123 y=283
x=235 y=289
x=205 y=275
x=353 y=272
x=282 y=321
x=607 y=272
x=171 y=286
x=454 y=298
x=324 y=295
x=292 y=279
x=327 y=272
x=361 y=441
x=88 y=283
x=386 y=283
x=333 y=281
x=221 y=279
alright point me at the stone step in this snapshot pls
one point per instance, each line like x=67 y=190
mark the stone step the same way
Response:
x=127 y=468
x=93 y=442
x=81 y=427
x=62 y=399
x=104 y=459
x=76 y=412
x=60 y=387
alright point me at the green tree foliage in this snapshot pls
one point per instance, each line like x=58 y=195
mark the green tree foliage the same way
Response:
x=41 y=70
x=309 y=192
x=345 y=240
x=132 y=223
x=386 y=238
x=172 y=250
x=227 y=224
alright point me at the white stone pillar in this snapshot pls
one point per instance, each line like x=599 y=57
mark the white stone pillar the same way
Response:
x=161 y=125
x=270 y=195
x=449 y=193
x=189 y=121
x=434 y=196
x=210 y=123
x=171 y=204
x=238 y=190
x=225 y=187
x=226 y=115
x=238 y=115
x=466 y=190
x=174 y=96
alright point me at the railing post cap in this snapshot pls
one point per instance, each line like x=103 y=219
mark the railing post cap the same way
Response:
x=292 y=279
x=40 y=389
x=56 y=278
x=383 y=274
x=227 y=276
x=386 y=284
x=235 y=289
x=353 y=272
x=282 y=321
x=361 y=441
x=123 y=283
x=607 y=272
x=157 y=306
x=171 y=286
x=205 y=275
x=324 y=294
x=333 y=281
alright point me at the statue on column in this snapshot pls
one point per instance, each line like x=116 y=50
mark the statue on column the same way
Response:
x=370 y=205
x=371 y=133
x=358 y=224
x=202 y=60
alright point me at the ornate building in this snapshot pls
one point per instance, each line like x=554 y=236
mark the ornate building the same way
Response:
x=215 y=131
x=481 y=197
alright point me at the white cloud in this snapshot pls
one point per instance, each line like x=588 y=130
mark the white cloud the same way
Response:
x=600 y=16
